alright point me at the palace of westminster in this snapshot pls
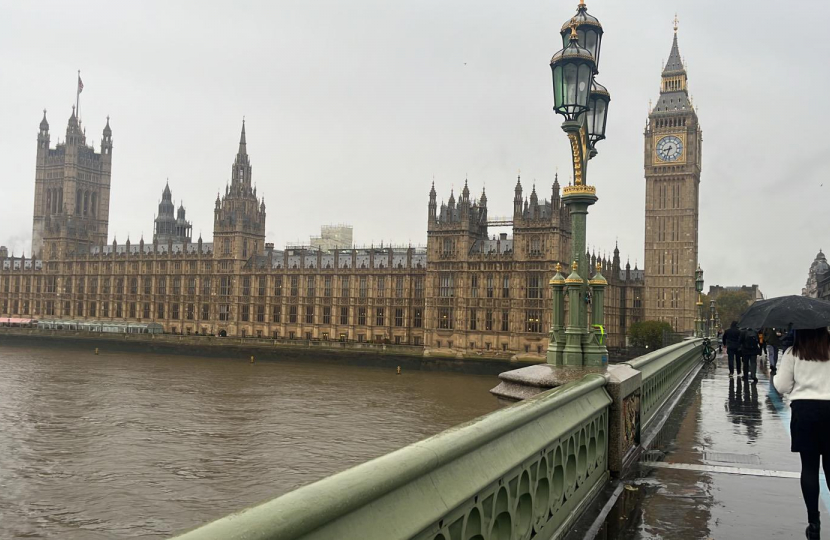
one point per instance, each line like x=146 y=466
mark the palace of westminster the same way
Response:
x=467 y=291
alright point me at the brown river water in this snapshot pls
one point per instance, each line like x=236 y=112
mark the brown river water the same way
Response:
x=144 y=445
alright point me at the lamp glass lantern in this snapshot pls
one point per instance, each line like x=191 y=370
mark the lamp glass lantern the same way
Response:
x=588 y=29
x=699 y=280
x=597 y=115
x=573 y=76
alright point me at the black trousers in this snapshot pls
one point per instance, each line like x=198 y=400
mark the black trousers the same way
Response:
x=810 y=484
x=750 y=366
x=734 y=360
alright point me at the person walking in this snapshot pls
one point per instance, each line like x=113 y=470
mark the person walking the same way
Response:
x=750 y=349
x=804 y=374
x=773 y=340
x=732 y=340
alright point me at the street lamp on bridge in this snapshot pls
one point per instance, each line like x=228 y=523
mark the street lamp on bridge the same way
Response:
x=699 y=330
x=713 y=329
x=583 y=103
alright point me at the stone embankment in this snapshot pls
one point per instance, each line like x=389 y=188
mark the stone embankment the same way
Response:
x=354 y=353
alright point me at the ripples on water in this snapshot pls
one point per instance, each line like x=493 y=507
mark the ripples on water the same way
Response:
x=134 y=445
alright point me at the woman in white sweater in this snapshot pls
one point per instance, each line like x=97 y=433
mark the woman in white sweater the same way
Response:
x=804 y=374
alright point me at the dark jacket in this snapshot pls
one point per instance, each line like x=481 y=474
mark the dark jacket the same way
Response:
x=750 y=345
x=771 y=337
x=788 y=339
x=732 y=339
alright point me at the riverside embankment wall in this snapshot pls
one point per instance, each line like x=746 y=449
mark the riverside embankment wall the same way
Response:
x=331 y=352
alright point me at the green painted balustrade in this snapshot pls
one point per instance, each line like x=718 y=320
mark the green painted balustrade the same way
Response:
x=663 y=370
x=521 y=472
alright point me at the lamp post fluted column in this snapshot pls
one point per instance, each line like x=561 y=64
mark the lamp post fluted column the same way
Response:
x=556 y=342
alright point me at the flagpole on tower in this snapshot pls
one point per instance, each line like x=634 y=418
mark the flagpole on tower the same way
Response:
x=80 y=87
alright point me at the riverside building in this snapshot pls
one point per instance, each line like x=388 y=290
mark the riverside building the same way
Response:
x=469 y=291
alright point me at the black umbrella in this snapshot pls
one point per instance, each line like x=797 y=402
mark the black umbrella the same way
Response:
x=780 y=312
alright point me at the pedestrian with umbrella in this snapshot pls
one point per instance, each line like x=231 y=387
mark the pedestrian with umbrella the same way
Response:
x=803 y=373
x=750 y=349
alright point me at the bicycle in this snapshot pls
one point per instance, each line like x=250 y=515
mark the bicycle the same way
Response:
x=709 y=353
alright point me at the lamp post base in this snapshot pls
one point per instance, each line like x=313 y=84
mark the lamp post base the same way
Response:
x=525 y=383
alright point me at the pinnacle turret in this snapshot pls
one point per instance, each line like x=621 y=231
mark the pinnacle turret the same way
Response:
x=243 y=149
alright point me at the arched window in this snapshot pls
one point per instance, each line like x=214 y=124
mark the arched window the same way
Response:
x=78 y=202
x=94 y=203
x=86 y=202
x=48 y=202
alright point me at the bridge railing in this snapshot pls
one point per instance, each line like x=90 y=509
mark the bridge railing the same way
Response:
x=518 y=472
x=662 y=371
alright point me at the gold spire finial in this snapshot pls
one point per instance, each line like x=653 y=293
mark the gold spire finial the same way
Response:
x=574 y=35
x=581 y=3
x=676 y=22
x=558 y=268
x=574 y=266
x=599 y=266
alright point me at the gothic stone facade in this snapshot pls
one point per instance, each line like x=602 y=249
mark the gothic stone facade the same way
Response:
x=466 y=292
x=673 y=145
x=491 y=293
x=72 y=191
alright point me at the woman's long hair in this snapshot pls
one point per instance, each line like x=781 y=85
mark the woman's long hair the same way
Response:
x=813 y=344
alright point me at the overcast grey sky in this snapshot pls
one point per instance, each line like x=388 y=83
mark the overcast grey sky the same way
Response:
x=353 y=107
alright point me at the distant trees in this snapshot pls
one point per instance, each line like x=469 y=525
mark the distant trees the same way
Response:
x=648 y=334
x=731 y=305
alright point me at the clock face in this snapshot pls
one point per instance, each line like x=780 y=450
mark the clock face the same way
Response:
x=669 y=148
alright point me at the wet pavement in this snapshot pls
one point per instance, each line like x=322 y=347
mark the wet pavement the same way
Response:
x=724 y=472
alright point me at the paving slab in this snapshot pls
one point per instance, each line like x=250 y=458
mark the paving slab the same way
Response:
x=726 y=473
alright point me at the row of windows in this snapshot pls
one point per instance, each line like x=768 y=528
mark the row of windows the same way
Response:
x=669 y=194
x=491 y=285
x=666 y=225
x=668 y=262
x=133 y=285
x=365 y=317
x=672 y=299
x=188 y=311
x=670 y=122
x=487 y=321
x=146 y=267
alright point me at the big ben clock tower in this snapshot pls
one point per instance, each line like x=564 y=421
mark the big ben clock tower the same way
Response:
x=672 y=170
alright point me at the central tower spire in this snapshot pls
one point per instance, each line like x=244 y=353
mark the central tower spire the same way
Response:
x=243 y=150
x=241 y=172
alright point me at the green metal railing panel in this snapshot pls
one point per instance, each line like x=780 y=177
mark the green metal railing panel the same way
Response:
x=517 y=473
x=663 y=370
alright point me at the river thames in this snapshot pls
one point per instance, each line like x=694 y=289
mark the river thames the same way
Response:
x=145 y=445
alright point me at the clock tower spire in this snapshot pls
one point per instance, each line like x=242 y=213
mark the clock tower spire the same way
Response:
x=673 y=141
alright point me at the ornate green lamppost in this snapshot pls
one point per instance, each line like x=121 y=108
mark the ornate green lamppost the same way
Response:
x=699 y=287
x=713 y=330
x=583 y=103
